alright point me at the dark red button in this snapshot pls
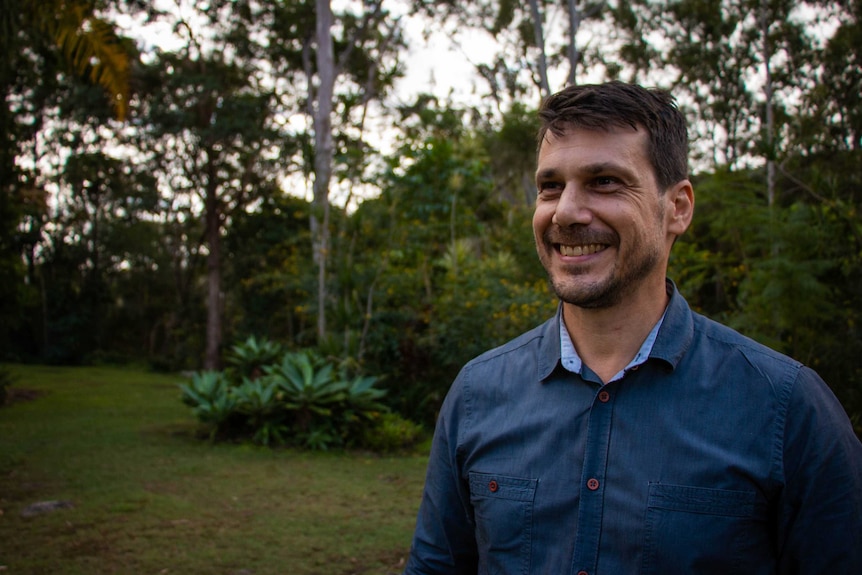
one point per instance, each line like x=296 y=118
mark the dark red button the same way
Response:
x=604 y=396
x=582 y=573
x=593 y=484
x=492 y=485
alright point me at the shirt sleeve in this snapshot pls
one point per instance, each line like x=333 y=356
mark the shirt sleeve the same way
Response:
x=820 y=515
x=444 y=540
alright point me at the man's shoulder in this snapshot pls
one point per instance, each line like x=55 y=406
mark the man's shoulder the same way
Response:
x=520 y=344
x=720 y=336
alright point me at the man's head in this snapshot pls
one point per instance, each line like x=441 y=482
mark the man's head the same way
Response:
x=614 y=105
x=613 y=195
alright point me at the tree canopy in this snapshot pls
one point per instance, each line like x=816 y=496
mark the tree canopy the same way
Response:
x=270 y=176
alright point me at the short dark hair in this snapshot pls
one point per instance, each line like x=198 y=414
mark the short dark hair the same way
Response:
x=617 y=104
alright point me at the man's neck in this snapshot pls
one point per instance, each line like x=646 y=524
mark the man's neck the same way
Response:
x=607 y=339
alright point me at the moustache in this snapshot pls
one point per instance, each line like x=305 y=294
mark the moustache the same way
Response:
x=579 y=236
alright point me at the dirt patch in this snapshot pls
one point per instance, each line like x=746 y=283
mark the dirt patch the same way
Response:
x=20 y=395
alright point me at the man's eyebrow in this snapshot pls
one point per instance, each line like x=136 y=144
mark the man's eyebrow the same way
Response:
x=547 y=173
x=597 y=168
x=600 y=167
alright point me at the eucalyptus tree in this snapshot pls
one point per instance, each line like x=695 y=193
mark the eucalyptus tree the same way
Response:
x=539 y=51
x=206 y=129
x=339 y=63
x=835 y=121
x=741 y=67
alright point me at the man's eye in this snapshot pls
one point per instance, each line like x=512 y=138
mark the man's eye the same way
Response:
x=605 y=181
x=549 y=186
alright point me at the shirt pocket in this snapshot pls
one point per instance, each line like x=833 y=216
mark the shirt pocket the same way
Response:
x=503 y=512
x=698 y=530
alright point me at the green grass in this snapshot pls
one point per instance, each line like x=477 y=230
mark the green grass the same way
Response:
x=150 y=497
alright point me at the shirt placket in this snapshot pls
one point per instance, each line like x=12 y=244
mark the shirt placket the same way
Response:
x=593 y=484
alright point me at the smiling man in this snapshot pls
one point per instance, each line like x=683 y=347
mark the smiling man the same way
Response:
x=629 y=434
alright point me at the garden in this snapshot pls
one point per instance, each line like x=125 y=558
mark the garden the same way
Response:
x=105 y=470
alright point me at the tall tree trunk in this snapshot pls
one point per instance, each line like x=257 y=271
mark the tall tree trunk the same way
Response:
x=213 y=240
x=323 y=153
x=770 y=115
x=573 y=53
x=539 y=37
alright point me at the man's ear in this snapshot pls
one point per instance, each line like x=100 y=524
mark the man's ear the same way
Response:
x=679 y=207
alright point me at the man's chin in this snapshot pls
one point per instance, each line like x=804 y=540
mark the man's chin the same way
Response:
x=589 y=296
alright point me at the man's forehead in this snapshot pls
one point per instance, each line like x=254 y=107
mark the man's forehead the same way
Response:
x=573 y=135
x=564 y=131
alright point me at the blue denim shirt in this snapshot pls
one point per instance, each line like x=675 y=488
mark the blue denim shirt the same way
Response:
x=715 y=455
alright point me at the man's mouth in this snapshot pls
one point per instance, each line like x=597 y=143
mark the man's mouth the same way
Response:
x=580 y=250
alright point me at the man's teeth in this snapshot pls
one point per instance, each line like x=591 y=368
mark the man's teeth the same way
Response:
x=580 y=250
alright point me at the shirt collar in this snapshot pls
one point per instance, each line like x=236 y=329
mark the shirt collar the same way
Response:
x=572 y=361
x=671 y=337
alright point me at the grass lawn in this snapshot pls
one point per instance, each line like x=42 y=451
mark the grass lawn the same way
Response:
x=148 y=497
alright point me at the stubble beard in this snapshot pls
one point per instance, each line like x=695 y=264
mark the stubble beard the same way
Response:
x=606 y=292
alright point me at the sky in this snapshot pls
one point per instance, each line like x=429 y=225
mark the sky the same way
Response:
x=437 y=66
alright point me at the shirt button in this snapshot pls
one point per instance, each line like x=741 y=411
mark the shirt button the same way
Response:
x=604 y=396
x=582 y=573
x=492 y=485
x=593 y=484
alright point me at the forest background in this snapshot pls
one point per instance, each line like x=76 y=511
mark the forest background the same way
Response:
x=269 y=176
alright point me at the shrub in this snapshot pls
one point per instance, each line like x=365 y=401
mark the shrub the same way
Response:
x=389 y=432
x=258 y=401
x=247 y=359
x=212 y=401
x=308 y=387
x=300 y=399
x=328 y=409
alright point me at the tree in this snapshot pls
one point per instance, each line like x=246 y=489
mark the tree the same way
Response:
x=272 y=282
x=321 y=101
x=774 y=147
x=536 y=39
x=41 y=43
x=208 y=136
x=364 y=56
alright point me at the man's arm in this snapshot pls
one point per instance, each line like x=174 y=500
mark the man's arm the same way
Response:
x=820 y=517
x=444 y=541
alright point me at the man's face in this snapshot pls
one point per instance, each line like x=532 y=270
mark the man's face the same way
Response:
x=603 y=230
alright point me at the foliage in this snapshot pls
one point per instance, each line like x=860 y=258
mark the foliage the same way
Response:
x=309 y=388
x=390 y=433
x=116 y=241
x=483 y=302
x=212 y=399
x=257 y=400
x=269 y=249
x=248 y=358
x=298 y=399
x=785 y=275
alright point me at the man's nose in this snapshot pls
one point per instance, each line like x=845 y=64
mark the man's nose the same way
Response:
x=573 y=207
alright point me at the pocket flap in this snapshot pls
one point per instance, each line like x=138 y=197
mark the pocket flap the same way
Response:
x=502 y=486
x=702 y=500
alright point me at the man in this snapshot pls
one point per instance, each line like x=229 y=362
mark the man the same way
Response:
x=628 y=434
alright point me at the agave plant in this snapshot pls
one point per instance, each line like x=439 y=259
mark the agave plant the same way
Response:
x=361 y=395
x=250 y=357
x=259 y=401
x=211 y=398
x=308 y=386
